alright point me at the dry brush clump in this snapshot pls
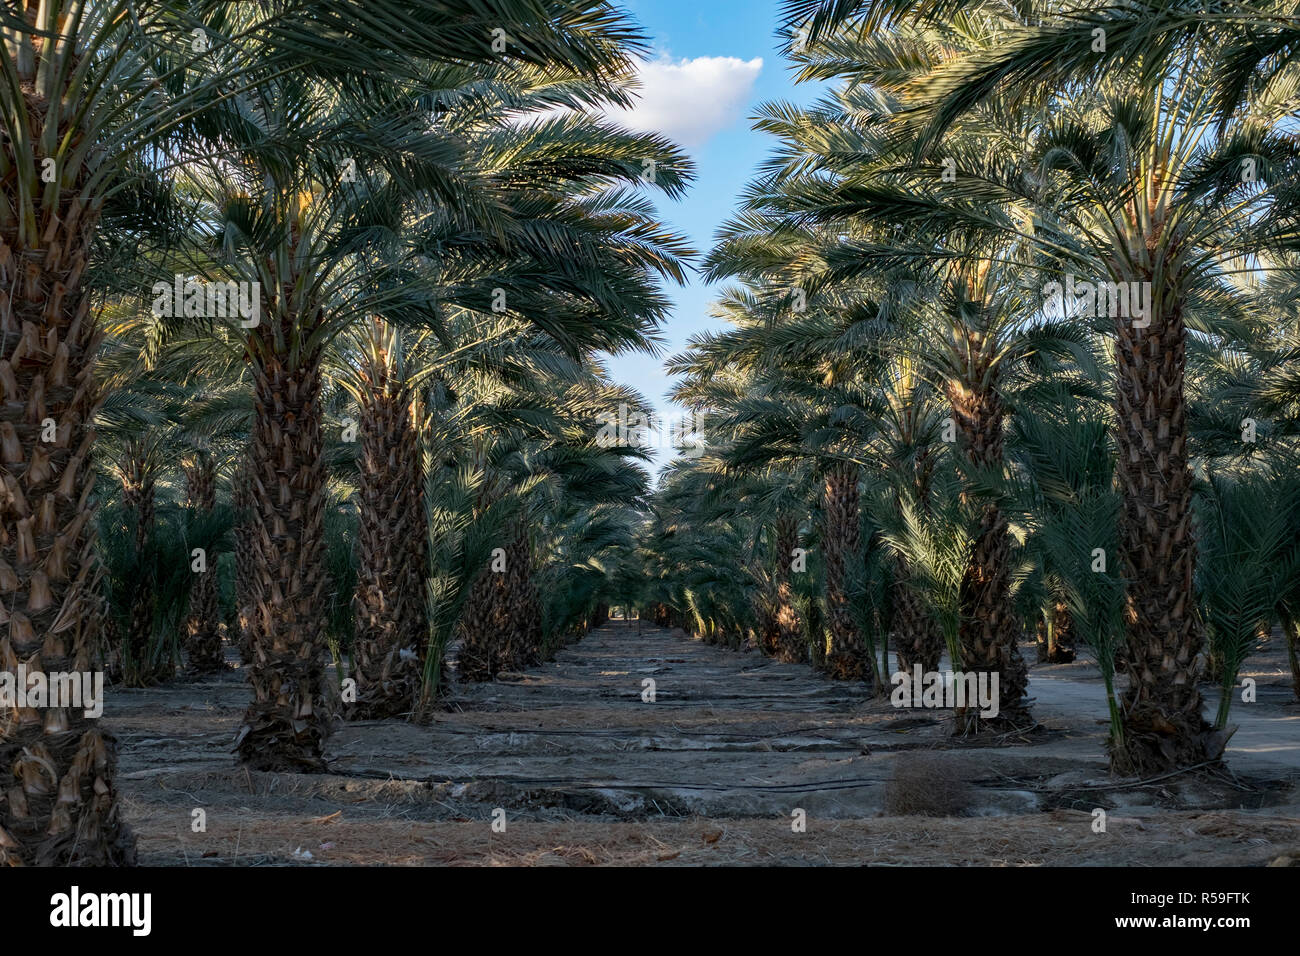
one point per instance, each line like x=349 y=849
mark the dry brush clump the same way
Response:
x=928 y=785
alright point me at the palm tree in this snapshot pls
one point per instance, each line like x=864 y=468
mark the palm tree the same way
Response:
x=1166 y=217
x=1050 y=48
x=310 y=235
x=1251 y=379
x=589 y=550
x=846 y=657
x=89 y=88
x=520 y=440
x=969 y=311
x=579 y=263
x=767 y=412
x=1250 y=557
x=912 y=416
x=688 y=557
x=137 y=469
x=787 y=640
x=392 y=545
x=202 y=630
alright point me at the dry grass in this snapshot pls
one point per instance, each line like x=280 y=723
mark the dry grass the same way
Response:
x=732 y=745
x=925 y=785
x=1059 y=838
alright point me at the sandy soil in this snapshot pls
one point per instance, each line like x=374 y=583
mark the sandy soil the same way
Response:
x=714 y=771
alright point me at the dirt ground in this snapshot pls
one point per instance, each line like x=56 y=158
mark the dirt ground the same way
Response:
x=738 y=760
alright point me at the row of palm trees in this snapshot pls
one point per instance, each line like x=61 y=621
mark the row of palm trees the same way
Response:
x=423 y=235
x=1011 y=351
x=917 y=441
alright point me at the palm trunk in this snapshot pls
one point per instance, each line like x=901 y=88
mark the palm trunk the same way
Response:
x=917 y=639
x=1164 y=728
x=989 y=628
x=58 y=802
x=138 y=499
x=285 y=724
x=202 y=630
x=242 y=502
x=392 y=555
x=846 y=659
x=522 y=608
x=790 y=646
x=1291 y=632
x=482 y=622
x=1060 y=635
x=501 y=625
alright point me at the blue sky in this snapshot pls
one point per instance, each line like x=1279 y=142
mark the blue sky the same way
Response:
x=702 y=88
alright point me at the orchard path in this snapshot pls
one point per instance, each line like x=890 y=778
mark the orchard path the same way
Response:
x=576 y=755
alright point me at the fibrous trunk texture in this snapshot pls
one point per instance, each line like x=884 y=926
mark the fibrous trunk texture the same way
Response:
x=58 y=802
x=482 y=620
x=989 y=627
x=788 y=643
x=1164 y=728
x=1056 y=645
x=846 y=659
x=286 y=723
x=524 y=605
x=202 y=624
x=392 y=555
x=139 y=669
x=1291 y=633
x=917 y=639
x=242 y=501
x=501 y=623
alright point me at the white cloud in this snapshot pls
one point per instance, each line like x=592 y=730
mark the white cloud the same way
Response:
x=691 y=100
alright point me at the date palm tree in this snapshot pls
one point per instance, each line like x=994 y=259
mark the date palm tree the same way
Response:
x=318 y=238
x=768 y=414
x=202 y=622
x=513 y=449
x=689 y=555
x=88 y=88
x=392 y=542
x=580 y=263
x=966 y=312
x=1168 y=215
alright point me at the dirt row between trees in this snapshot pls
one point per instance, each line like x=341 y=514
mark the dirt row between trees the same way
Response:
x=734 y=751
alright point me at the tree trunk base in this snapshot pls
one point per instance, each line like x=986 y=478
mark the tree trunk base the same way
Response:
x=206 y=656
x=273 y=745
x=1055 y=655
x=46 y=827
x=846 y=665
x=286 y=731
x=1156 y=742
x=392 y=692
x=1017 y=720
